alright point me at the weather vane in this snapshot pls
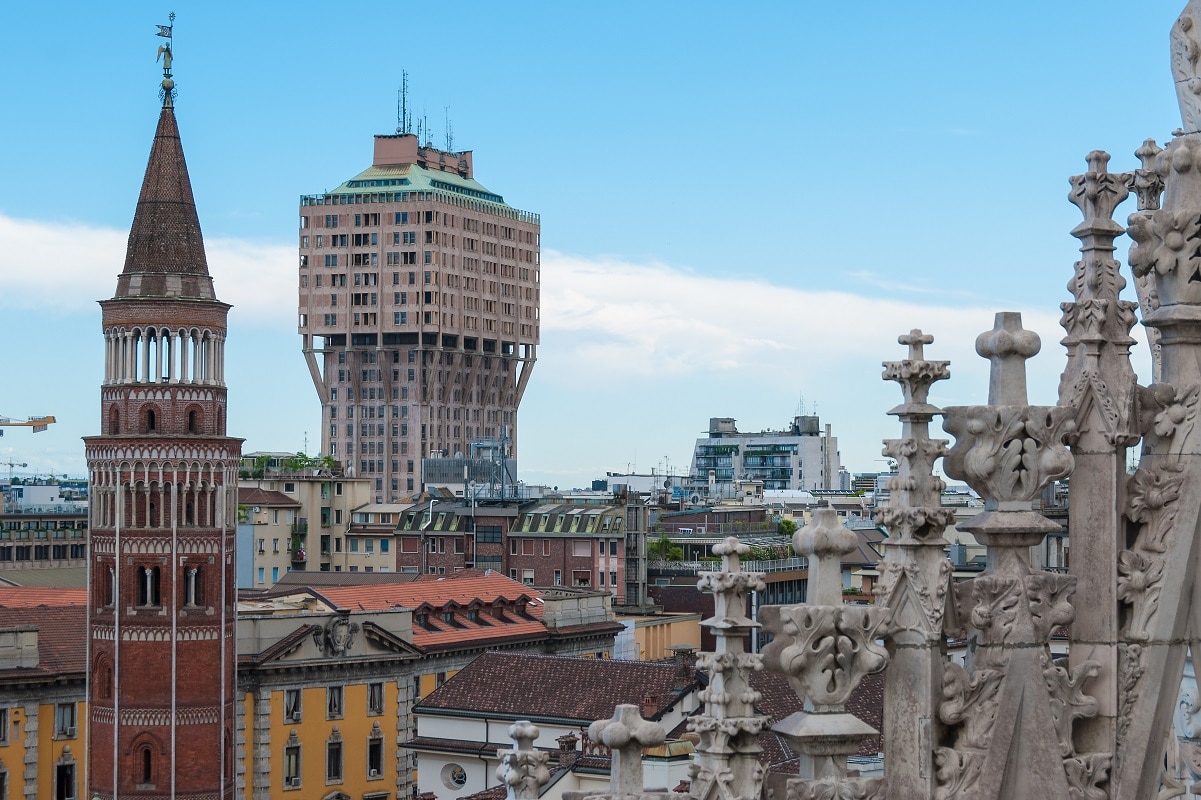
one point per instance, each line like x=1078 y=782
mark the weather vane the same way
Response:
x=164 y=52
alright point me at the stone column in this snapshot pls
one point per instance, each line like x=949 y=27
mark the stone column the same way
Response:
x=1011 y=711
x=914 y=577
x=824 y=650
x=145 y=375
x=1098 y=386
x=1160 y=606
x=727 y=762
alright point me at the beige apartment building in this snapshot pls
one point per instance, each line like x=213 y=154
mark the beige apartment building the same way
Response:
x=298 y=521
x=419 y=301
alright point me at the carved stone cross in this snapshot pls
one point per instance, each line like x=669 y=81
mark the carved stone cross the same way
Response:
x=625 y=735
x=523 y=769
x=1007 y=346
x=917 y=342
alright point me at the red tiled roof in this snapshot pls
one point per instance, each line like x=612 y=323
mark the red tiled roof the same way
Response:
x=31 y=596
x=462 y=590
x=62 y=637
x=255 y=496
x=459 y=591
x=556 y=687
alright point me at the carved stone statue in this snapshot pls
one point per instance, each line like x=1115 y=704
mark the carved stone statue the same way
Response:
x=1186 y=53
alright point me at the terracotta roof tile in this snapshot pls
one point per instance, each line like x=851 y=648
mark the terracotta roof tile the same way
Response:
x=583 y=689
x=254 y=496
x=62 y=636
x=486 y=589
x=460 y=592
x=165 y=238
x=30 y=596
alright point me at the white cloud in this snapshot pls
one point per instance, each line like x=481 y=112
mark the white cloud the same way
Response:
x=634 y=357
x=654 y=320
x=69 y=266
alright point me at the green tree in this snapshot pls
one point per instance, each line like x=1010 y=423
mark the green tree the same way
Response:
x=663 y=550
x=786 y=527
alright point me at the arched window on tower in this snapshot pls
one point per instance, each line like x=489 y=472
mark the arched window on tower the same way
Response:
x=148 y=586
x=145 y=761
x=114 y=420
x=102 y=679
x=151 y=425
x=193 y=421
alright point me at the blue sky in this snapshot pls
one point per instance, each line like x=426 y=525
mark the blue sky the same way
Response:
x=739 y=211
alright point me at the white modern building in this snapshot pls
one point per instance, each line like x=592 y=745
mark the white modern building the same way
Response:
x=803 y=456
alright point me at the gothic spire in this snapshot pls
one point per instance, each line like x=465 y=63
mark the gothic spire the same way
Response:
x=165 y=255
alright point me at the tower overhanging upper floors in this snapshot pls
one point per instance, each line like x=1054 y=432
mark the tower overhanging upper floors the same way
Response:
x=418 y=311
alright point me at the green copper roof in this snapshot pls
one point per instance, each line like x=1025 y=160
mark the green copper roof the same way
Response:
x=413 y=178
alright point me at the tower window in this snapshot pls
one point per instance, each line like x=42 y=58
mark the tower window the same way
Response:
x=193 y=422
x=151 y=423
x=193 y=588
x=147 y=767
x=148 y=586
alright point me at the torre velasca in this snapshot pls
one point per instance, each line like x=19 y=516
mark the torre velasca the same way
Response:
x=163 y=475
x=419 y=299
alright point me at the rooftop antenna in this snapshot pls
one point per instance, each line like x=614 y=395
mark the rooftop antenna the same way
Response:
x=404 y=123
x=425 y=124
x=450 y=131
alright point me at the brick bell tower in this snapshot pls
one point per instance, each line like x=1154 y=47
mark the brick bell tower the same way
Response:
x=161 y=592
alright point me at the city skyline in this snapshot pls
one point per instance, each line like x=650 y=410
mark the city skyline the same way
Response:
x=699 y=258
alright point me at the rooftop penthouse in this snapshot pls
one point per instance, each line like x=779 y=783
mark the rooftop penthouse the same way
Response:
x=410 y=173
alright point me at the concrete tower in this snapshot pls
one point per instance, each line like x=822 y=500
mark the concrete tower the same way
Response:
x=163 y=510
x=419 y=299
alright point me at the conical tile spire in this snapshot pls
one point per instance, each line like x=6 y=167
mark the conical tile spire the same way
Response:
x=165 y=254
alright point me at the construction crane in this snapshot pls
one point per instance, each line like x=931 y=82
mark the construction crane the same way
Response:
x=4 y=496
x=38 y=424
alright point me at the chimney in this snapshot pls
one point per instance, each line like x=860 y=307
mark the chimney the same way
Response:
x=567 y=752
x=685 y=659
x=649 y=706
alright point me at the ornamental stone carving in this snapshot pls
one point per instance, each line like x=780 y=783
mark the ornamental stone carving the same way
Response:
x=523 y=769
x=337 y=636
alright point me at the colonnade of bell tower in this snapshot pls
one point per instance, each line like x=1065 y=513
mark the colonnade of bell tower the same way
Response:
x=162 y=602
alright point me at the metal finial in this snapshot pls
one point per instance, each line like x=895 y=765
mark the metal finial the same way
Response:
x=164 y=52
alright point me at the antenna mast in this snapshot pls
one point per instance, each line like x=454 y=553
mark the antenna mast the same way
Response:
x=450 y=131
x=403 y=121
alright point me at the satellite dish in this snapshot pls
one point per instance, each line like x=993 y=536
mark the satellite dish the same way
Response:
x=667 y=483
